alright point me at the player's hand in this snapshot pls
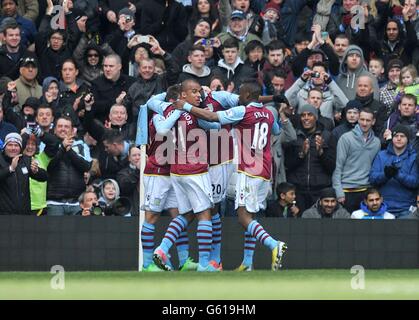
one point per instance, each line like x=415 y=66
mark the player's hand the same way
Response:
x=178 y=104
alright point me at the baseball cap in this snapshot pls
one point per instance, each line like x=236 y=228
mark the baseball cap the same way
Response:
x=29 y=60
x=238 y=14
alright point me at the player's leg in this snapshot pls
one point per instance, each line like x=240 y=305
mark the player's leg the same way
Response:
x=251 y=196
x=147 y=238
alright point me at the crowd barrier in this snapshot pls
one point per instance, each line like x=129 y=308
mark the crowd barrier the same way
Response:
x=111 y=243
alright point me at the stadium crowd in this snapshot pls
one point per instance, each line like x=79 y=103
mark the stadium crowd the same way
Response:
x=339 y=78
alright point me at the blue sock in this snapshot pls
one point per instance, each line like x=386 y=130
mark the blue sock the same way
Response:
x=175 y=228
x=204 y=236
x=147 y=240
x=182 y=246
x=249 y=249
x=216 y=238
x=257 y=231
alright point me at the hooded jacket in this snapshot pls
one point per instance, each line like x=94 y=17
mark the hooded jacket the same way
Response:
x=365 y=213
x=345 y=126
x=237 y=73
x=399 y=191
x=347 y=79
x=188 y=73
x=45 y=85
x=316 y=212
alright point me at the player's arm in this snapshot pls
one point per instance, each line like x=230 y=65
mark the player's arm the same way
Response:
x=157 y=102
x=227 y=99
x=164 y=125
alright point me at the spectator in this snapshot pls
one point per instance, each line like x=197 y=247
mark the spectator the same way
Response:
x=409 y=82
x=205 y=9
x=254 y=22
x=395 y=172
x=89 y=57
x=310 y=160
x=376 y=68
x=272 y=28
x=238 y=30
x=276 y=62
x=109 y=192
x=340 y=45
x=287 y=207
x=34 y=138
x=255 y=55
x=128 y=179
x=15 y=170
x=12 y=51
x=274 y=83
x=356 y=151
x=5 y=127
x=87 y=200
x=365 y=95
x=66 y=170
x=196 y=69
x=351 y=68
x=72 y=89
x=148 y=82
x=232 y=66
x=413 y=212
x=389 y=91
x=166 y=20
x=327 y=207
x=333 y=99
x=405 y=115
x=9 y=9
x=53 y=47
x=373 y=207
x=318 y=50
x=350 y=116
x=202 y=30
x=45 y=118
x=51 y=93
x=110 y=88
x=396 y=44
x=114 y=157
x=27 y=85
x=119 y=38
x=28 y=9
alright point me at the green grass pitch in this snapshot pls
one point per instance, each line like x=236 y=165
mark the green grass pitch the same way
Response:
x=266 y=285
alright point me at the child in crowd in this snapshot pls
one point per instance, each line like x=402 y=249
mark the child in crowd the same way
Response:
x=376 y=67
x=409 y=82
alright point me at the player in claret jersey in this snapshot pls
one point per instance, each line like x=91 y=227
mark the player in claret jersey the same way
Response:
x=190 y=179
x=159 y=192
x=254 y=124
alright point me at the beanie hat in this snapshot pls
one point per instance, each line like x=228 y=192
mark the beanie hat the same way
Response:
x=354 y=104
x=32 y=102
x=401 y=129
x=309 y=108
x=13 y=137
x=271 y=6
x=354 y=49
x=327 y=193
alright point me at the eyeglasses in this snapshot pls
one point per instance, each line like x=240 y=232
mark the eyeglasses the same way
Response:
x=93 y=55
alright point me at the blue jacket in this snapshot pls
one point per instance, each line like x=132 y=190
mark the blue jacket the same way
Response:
x=398 y=192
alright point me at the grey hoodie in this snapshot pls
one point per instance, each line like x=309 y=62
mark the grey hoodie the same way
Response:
x=354 y=157
x=102 y=195
x=346 y=79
